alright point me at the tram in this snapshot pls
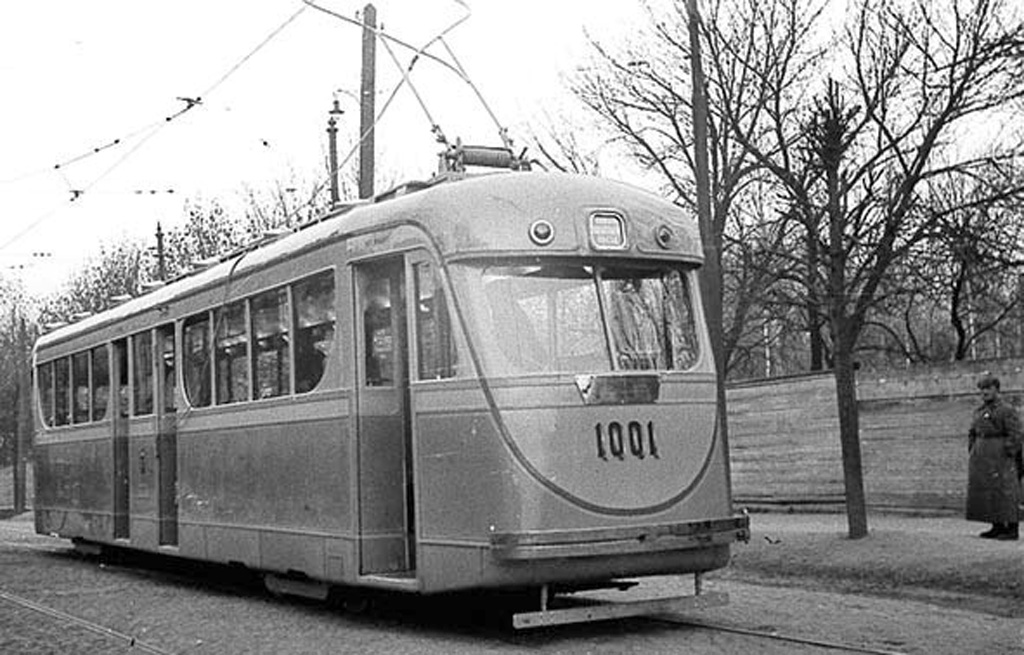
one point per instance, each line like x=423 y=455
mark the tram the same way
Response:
x=495 y=381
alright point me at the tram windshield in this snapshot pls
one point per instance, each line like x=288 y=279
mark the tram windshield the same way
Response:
x=571 y=318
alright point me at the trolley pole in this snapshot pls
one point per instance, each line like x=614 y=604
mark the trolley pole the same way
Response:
x=366 y=104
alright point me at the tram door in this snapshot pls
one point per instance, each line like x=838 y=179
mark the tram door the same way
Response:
x=167 y=437
x=386 y=516
x=121 y=468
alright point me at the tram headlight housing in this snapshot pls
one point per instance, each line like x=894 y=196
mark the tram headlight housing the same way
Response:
x=664 y=235
x=542 y=232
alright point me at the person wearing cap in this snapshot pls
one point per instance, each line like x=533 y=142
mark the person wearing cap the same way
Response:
x=993 y=473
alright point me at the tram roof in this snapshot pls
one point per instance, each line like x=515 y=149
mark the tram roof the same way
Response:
x=464 y=217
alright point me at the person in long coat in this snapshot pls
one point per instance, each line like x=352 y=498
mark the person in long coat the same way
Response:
x=993 y=473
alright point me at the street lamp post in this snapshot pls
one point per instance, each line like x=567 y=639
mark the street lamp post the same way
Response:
x=332 y=139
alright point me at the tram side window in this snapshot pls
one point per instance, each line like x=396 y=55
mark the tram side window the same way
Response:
x=44 y=380
x=80 y=387
x=166 y=339
x=232 y=354
x=121 y=362
x=197 y=359
x=435 y=343
x=100 y=382
x=61 y=379
x=271 y=343
x=142 y=361
x=379 y=338
x=314 y=328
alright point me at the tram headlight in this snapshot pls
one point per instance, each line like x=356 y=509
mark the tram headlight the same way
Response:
x=542 y=232
x=663 y=235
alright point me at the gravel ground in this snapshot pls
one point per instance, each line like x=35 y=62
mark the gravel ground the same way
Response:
x=919 y=586
x=934 y=559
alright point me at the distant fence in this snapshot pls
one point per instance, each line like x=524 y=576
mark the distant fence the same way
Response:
x=784 y=437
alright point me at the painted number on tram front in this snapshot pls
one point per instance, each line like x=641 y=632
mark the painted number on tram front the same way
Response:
x=618 y=441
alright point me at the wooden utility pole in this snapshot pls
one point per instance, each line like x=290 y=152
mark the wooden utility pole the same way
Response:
x=710 y=236
x=23 y=433
x=366 y=104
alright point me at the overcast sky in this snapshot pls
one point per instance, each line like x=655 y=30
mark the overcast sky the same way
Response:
x=76 y=76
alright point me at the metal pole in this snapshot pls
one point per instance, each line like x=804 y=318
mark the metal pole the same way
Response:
x=366 y=104
x=332 y=152
x=161 y=264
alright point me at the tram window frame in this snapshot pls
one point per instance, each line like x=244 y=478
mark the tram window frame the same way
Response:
x=62 y=391
x=45 y=393
x=436 y=349
x=100 y=378
x=379 y=340
x=142 y=373
x=197 y=363
x=529 y=330
x=231 y=350
x=314 y=340
x=81 y=393
x=676 y=342
x=271 y=348
x=167 y=353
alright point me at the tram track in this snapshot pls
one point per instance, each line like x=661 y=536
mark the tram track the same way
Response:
x=86 y=624
x=775 y=636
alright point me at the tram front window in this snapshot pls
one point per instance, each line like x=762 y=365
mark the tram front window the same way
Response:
x=569 y=318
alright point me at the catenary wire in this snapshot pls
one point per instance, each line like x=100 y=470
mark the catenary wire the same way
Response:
x=153 y=129
x=456 y=68
x=405 y=71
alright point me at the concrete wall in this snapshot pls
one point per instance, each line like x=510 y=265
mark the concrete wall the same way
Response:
x=784 y=437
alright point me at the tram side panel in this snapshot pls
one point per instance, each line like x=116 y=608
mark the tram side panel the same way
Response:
x=269 y=488
x=464 y=483
x=266 y=483
x=74 y=493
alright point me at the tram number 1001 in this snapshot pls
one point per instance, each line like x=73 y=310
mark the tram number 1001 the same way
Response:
x=618 y=441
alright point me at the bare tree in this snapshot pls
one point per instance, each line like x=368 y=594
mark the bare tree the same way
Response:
x=557 y=145
x=910 y=76
x=642 y=93
x=114 y=270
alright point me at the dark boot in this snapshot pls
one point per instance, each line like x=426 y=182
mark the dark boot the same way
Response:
x=1010 y=532
x=996 y=530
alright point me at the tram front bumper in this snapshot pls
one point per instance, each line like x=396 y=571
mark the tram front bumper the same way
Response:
x=619 y=541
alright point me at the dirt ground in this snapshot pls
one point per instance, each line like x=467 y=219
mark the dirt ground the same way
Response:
x=933 y=559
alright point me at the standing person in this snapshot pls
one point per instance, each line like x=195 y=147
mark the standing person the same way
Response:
x=994 y=443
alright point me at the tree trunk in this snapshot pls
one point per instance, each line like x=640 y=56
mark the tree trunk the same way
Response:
x=849 y=438
x=816 y=342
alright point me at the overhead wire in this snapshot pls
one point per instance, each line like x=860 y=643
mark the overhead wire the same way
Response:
x=381 y=34
x=418 y=51
x=153 y=129
x=455 y=67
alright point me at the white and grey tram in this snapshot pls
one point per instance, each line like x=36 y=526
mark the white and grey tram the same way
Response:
x=500 y=381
